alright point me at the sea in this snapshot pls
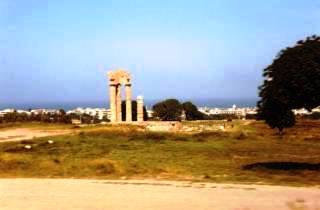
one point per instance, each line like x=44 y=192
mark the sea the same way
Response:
x=210 y=103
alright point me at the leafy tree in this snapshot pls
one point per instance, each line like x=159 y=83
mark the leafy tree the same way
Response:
x=11 y=116
x=105 y=119
x=168 y=110
x=73 y=116
x=45 y=117
x=276 y=115
x=62 y=112
x=191 y=111
x=22 y=117
x=292 y=81
x=35 y=117
x=86 y=119
x=134 y=111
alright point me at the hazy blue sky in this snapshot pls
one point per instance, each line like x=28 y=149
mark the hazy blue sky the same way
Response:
x=60 y=50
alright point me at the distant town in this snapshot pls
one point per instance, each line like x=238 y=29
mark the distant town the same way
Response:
x=104 y=115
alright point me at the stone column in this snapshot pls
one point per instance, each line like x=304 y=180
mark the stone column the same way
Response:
x=113 y=107
x=119 y=112
x=128 y=103
x=140 y=109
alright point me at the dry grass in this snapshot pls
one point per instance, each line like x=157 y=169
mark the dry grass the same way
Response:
x=36 y=125
x=246 y=153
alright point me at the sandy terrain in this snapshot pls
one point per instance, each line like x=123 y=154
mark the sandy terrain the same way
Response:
x=19 y=134
x=55 y=194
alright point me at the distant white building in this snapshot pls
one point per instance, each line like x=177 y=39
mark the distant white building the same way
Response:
x=150 y=113
x=316 y=109
x=304 y=111
x=23 y=112
x=100 y=113
x=301 y=111
x=6 y=111
x=232 y=111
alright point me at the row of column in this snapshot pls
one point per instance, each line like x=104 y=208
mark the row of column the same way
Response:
x=115 y=104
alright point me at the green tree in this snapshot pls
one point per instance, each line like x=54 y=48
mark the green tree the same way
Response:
x=22 y=117
x=276 y=115
x=168 y=110
x=292 y=81
x=105 y=119
x=191 y=111
x=62 y=112
x=11 y=116
x=86 y=119
x=45 y=118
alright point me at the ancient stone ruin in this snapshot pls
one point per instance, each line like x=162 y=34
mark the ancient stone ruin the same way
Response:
x=118 y=78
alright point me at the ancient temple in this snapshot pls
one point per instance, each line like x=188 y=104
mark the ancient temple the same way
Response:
x=118 y=78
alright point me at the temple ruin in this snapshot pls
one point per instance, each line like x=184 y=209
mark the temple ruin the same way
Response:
x=118 y=78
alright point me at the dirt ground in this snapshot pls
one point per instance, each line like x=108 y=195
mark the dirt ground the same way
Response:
x=73 y=194
x=18 y=134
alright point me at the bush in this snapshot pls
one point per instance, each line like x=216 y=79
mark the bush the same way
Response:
x=103 y=166
x=156 y=136
x=14 y=164
x=251 y=116
x=228 y=117
x=315 y=116
x=241 y=136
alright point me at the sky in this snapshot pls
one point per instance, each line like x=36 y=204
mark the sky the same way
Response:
x=60 y=50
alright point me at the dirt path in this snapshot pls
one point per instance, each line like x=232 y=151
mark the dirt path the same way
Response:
x=67 y=194
x=19 y=134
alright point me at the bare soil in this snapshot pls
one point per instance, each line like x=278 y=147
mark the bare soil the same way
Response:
x=74 y=194
x=18 y=134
